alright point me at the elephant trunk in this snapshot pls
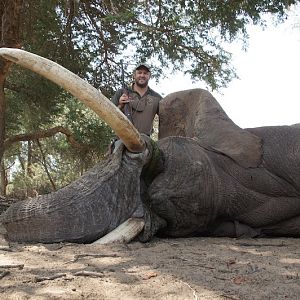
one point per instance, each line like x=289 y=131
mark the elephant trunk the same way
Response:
x=85 y=210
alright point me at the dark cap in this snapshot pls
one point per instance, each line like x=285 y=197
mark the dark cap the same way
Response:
x=142 y=66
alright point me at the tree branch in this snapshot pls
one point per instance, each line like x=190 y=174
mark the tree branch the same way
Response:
x=44 y=163
x=44 y=134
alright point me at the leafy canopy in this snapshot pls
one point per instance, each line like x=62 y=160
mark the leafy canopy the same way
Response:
x=184 y=35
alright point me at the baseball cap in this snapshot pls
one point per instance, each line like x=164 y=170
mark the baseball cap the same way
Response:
x=143 y=66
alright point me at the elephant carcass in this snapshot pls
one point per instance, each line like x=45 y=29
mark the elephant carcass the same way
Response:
x=206 y=176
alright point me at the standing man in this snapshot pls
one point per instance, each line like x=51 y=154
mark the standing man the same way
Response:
x=141 y=101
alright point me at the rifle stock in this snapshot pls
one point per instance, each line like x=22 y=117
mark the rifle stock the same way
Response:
x=127 y=108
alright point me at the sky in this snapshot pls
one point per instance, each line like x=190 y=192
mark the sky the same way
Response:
x=268 y=89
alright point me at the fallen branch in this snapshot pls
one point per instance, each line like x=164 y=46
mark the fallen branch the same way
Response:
x=201 y=266
x=262 y=245
x=78 y=256
x=53 y=277
x=20 y=267
x=3 y=274
x=6 y=249
x=229 y=297
x=88 y=273
x=221 y=278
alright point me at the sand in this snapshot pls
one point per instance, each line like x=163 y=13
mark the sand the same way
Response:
x=187 y=268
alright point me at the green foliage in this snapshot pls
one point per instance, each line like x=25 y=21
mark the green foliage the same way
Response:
x=86 y=126
x=91 y=37
x=185 y=35
x=23 y=186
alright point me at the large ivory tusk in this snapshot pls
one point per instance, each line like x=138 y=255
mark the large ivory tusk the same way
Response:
x=86 y=93
x=124 y=233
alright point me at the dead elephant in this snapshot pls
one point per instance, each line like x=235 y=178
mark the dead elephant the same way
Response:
x=205 y=176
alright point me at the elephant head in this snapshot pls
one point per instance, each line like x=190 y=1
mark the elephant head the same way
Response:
x=205 y=175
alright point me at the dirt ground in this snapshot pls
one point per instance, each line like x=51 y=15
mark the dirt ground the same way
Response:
x=189 y=268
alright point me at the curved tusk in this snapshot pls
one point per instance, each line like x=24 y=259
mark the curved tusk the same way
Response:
x=124 y=233
x=82 y=90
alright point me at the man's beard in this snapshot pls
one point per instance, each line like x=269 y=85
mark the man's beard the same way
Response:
x=141 y=85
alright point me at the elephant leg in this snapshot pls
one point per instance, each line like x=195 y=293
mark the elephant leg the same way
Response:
x=233 y=229
x=290 y=227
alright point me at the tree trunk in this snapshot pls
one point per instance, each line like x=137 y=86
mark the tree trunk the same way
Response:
x=10 y=20
x=2 y=110
x=11 y=13
x=3 y=179
x=44 y=163
x=29 y=173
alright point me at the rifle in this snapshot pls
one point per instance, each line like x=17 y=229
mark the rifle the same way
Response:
x=127 y=108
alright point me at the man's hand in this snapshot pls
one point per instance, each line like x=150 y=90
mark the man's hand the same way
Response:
x=123 y=100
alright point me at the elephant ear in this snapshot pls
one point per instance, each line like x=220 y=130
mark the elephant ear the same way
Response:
x=196 y=114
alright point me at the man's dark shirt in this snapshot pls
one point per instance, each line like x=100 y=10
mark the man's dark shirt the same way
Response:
x=143 y=109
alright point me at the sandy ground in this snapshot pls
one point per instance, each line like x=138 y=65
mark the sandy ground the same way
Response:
x=190 y=268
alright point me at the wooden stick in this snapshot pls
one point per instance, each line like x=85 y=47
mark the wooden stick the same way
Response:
x=3 y=274
x=78 y=256
x=262 y=245
x=88 y=273
x=39 y=279
x=6 y=249
x=12 y=266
